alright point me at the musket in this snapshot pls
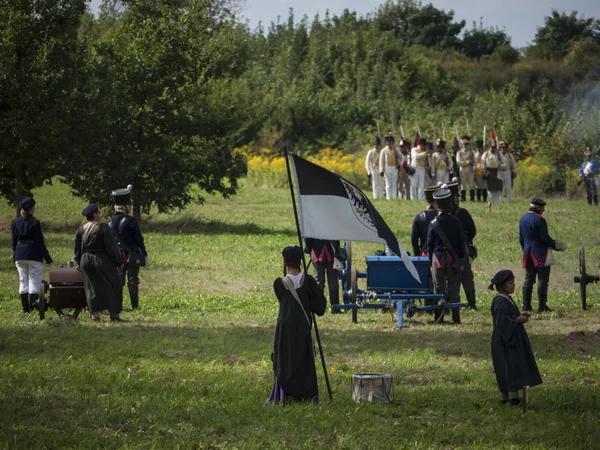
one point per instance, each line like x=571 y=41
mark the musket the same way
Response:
x=378 y=129
x=419 y=130
x=468 y=128
x=484 y=132
x=402 y=131
x=393 y=130
x=444 y=130
x=457 y=136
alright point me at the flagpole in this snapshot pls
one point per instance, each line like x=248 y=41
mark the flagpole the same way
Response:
x=289 y=172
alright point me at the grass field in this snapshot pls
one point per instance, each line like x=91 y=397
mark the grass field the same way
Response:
x=191 y=368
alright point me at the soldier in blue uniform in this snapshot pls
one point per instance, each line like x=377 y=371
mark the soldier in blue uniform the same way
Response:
x=29 y=250
x=466 y=220
x=421 y=222
x=588 y=174
x=129 y=239
x=537 y=255
x=445 y=271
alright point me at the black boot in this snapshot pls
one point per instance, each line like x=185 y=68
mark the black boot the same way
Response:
x=33 y=301
x=484 y=193
x=595 y=200
x=463 y=195
x=334 y=299
x=527 y=292
x=134 y=296
x=543 y=299
x=25 y=303
x=478 y=195
x=472 y=194
x=471 y=300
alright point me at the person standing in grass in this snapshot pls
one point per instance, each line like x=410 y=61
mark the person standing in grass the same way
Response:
x=323 y=253
x=372 y=167
x=512 y=356
x=29 y=250
x=293 y=351
x=99 y=260
x=588 y=174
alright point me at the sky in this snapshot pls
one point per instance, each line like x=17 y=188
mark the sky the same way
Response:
x=518 y=18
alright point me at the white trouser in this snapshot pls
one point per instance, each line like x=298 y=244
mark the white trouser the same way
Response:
x=508 y=185
x=377 y=184
x=30 y=276
x=442 y=175
x=467 y=178
x=494 y=196
x=391 y=183
x=417 y=184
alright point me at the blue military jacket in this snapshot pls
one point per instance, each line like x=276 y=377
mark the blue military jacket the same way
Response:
x=420 y=227
x=456 y=236
x=534 y=238
x=594 y=168
x=28 y=240
x=127 y=233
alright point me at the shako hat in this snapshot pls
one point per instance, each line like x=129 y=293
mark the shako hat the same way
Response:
x=443 y=198
x=479 y=143
x=454 y=143
x=441 y=143
x=90 y=209
x=453 y=186
x=376 y=140
x=390 y=138
x=588 y=152
x=122 y=196
x=27 y=203
x=465 y=139
x=501 y=277
x=493 y=142
x=536 y=201
x=429 y=193
x=292 y=255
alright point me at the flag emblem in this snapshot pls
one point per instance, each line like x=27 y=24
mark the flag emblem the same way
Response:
x=360 y=205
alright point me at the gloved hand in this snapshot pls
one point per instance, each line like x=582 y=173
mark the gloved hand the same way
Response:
x=381 y=173
x=560 y=245
x=49 y=261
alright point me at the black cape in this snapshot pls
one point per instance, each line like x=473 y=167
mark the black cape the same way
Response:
x=293 y=351
x=98 y=258
x=512 y=356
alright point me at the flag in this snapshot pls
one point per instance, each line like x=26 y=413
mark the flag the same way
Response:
x=332 y=208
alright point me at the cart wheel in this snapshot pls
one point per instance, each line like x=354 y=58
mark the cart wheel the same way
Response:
x=349 y=265
x=583 y=273
x=41 y=305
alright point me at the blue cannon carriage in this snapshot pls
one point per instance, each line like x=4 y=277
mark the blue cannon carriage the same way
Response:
x=389 y=286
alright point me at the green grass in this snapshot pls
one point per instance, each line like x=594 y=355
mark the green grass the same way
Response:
x=192 y=368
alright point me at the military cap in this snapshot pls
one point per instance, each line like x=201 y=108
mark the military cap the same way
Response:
x=588 y=152
x=536 y=201
x=479 y=143
x=404 y=143
x=390 y=138
x=501 y=277
x=430 y=145
x=442 y=193
x=443 y=198
x=422 y=141
x=90 y=209
x=27 y=203
x=441 y=143
x=453 y=186
x=429 y=193
x=376 y=140
x=122 y=196
x=454 y=143
x=292 y=255
x=465 y=139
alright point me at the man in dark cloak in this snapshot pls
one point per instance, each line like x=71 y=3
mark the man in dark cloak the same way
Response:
x=293 y=350
x=97 y=256
x=512 y=356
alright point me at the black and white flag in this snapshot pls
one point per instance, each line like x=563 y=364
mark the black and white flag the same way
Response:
x=333 y=208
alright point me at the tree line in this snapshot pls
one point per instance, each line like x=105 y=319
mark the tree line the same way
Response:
x=159 y=93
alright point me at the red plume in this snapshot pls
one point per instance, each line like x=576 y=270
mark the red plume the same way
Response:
x=417 y=137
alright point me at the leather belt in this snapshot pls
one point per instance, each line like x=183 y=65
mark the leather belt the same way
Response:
x=25 y=241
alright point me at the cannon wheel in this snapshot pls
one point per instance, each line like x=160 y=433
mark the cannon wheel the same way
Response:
x=349 y=266
x=583 y=274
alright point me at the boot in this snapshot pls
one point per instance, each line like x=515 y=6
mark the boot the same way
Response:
x=527 y=292
x=543 y=299
x=471 y=300
x=134 y=297
x=478 y=195
x=595 y=200
x=484 y=194
x=116 y=318
x=334 y=299
x=472 y=194
x=95 y=316
x=455 y=315
x=33 y=301
x=463 y=195
x=25 y=303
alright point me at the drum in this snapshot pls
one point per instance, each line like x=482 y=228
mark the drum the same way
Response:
x=372 y=387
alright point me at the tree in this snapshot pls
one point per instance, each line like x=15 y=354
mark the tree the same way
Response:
x=39 y=68
x=560 y=31
x=480 y=41
x=153 y=80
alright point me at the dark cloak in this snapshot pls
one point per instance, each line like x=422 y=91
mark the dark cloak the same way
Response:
x=293 y=351
x=493 y=182
x=98 y=258
x=512 y=356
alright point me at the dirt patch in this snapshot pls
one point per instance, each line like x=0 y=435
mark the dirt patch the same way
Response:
x=234 y=360
x=567 y=379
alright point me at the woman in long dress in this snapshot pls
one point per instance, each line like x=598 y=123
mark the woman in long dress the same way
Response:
x=99 y=260
x=512 y=356
x=293 y=351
